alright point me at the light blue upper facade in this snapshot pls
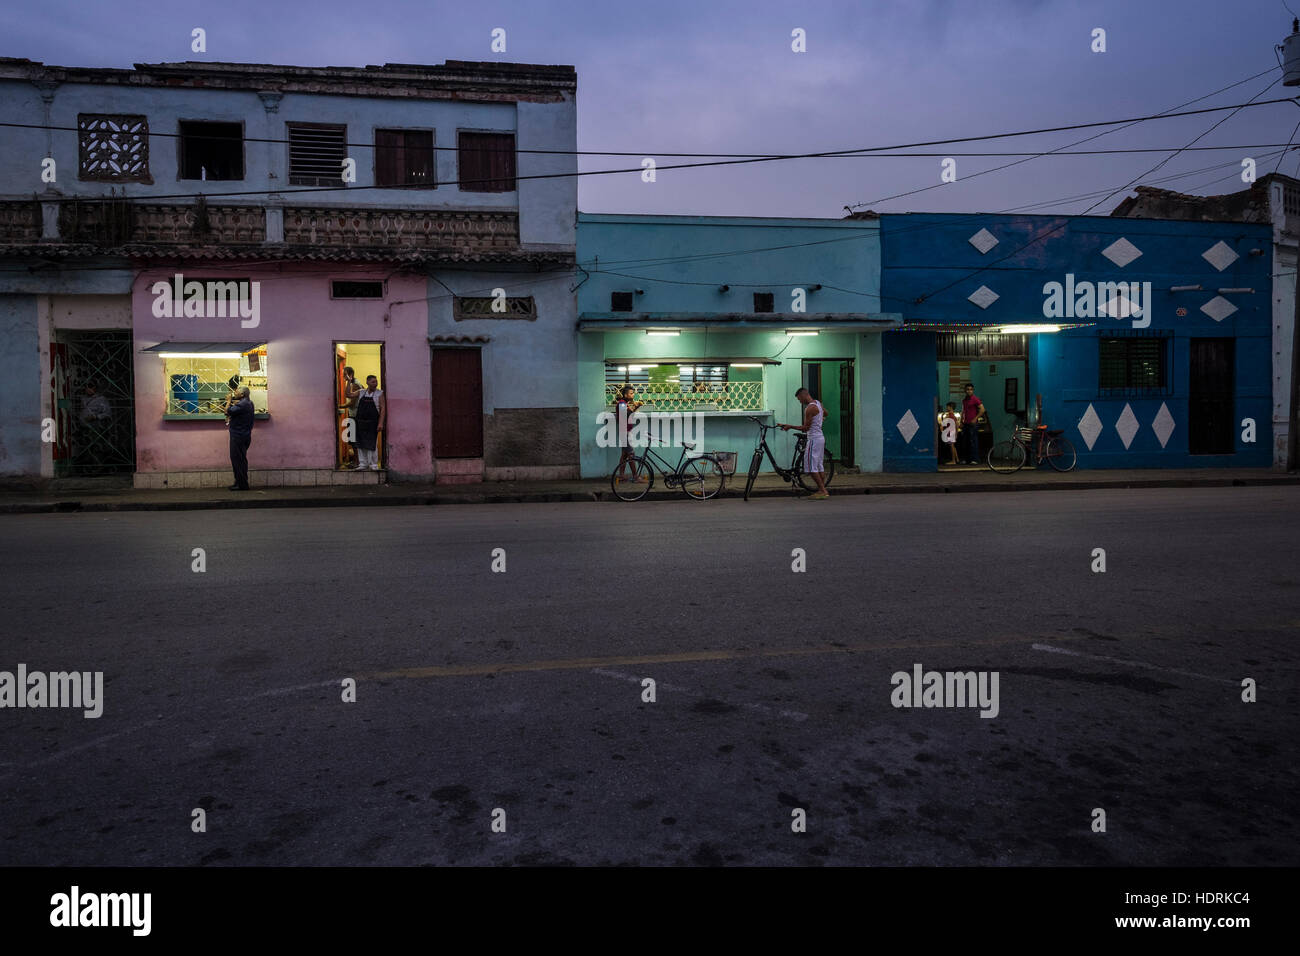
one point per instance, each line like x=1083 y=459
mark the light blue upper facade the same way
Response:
x=230 y=93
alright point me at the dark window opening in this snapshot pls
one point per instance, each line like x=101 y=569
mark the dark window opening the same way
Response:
x=487 y=162
x=316 y=154
x=343 y=289
x=212 y=150
x=1132 y=363
x=620 y=302
x=764 y=302
x=404 y=157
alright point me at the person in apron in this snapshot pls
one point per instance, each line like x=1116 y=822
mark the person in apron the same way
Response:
x=370 y=416
x=814 y=452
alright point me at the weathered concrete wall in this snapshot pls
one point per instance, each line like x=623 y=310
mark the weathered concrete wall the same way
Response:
x=528 y=365
x=20 y=388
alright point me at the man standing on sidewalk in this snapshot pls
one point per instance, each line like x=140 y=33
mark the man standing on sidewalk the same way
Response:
x=239 y=416
x=971 y=410
x=815 y=448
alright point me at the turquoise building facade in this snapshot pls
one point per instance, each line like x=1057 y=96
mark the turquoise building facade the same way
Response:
x=719 y=319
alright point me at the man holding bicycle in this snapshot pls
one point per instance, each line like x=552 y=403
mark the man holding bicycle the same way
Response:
x=814 y=451
x=623 y=409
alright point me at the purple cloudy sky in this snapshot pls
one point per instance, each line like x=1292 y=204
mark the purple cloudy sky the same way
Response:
x=707 y=76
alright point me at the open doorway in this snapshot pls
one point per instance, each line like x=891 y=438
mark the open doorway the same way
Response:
x=830 y=381
x=997 y=367
x=364 y=359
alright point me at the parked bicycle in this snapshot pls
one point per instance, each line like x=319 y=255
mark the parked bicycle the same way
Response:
x=700 y=477
x=795 y=474
x=1043 y=444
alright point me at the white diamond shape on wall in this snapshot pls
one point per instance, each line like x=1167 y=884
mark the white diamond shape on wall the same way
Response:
x=908 y=426
x=1127 y=426
x=1121 y=252
x=1120 y=307
x=1220 y=255
x=983 y=297
x=983 y=241
x=1090 y=427
x=1218 y=308
x=1163 y=425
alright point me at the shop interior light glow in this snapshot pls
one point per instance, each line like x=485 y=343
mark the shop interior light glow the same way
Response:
x=662 y=332
x=745 y=365
x=793 y=332
x=1007 y=329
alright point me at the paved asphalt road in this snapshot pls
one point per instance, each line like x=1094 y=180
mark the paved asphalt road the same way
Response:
x=522 y=690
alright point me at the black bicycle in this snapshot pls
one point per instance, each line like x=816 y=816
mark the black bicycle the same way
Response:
x=795 y=474
x=1039 y=443
x=700 y=477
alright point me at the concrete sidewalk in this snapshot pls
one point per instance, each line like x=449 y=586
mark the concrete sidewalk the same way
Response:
x=972 y=479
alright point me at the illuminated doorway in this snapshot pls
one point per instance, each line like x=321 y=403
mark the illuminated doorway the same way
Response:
x=365 y=359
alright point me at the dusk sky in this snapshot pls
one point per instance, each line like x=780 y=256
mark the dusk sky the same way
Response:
x=721 y=77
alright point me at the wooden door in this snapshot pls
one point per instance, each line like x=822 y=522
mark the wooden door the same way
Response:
x=1210 y=397
x=457 y=403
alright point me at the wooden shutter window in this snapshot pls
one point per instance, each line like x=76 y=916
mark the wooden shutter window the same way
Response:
x=388 y=143
x=404 y=157
x=487 y=162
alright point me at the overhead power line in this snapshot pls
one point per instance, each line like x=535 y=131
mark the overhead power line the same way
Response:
x=723 y=162
x=1060 y=150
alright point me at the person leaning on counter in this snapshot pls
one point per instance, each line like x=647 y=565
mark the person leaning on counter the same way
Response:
x=239 y=416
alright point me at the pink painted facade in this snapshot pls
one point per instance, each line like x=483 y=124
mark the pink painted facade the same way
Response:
x=299 y=322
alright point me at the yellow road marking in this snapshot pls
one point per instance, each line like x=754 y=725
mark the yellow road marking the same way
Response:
x=680 y=657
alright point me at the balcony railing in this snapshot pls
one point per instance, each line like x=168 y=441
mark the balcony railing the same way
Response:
x=111 y=223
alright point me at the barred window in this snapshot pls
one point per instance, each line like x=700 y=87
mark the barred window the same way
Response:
x=1128 y=363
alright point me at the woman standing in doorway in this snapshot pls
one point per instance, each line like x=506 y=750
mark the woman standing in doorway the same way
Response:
x=371 y=414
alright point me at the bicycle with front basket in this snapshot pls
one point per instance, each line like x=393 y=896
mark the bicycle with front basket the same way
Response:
x=795 y=474
x=700 y=477
x=1040 y=442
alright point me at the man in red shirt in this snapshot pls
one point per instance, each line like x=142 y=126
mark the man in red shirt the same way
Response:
x=971 y=410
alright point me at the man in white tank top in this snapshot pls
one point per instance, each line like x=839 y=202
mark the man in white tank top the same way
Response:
x=814 y=452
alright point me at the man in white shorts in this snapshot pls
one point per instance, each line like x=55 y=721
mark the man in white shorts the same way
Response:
x=814 y=451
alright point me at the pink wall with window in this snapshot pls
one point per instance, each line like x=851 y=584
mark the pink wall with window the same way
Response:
x=299 y=322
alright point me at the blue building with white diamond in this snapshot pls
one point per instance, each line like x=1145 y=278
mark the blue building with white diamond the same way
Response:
x=1148 y=342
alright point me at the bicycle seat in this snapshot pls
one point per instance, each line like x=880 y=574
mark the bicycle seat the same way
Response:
x=688 y=444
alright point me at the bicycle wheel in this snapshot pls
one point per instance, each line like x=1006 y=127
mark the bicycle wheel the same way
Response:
x=753 y=472
x=1006 y=457
x=807 y=482
x=1060 y=454
x=702 y=477
x=636 y=481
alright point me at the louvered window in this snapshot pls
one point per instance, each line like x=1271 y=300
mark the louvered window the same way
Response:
x=316 y=154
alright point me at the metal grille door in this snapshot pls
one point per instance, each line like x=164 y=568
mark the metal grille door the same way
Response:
x=94 y=400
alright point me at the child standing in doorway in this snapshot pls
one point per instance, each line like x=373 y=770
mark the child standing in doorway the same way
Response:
x=949 y=423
